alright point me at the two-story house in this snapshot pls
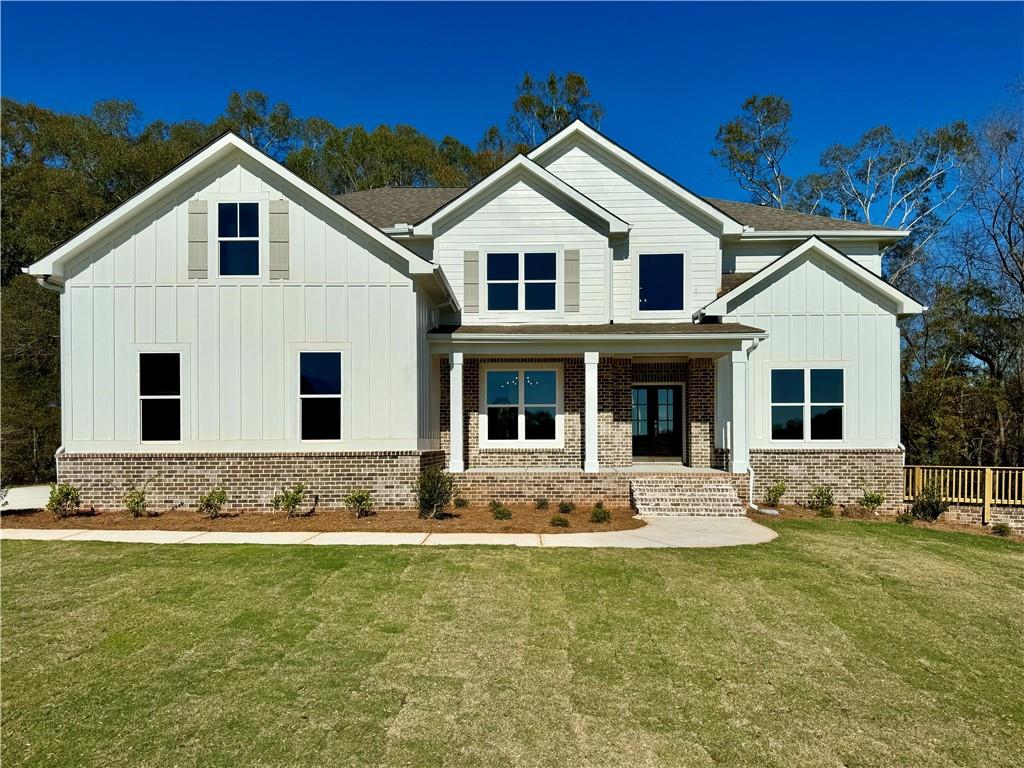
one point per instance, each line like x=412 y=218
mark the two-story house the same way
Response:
x=575 y=326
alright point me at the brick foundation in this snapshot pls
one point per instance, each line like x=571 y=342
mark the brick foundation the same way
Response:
x=251 y=479
x=965 y=514
x=846 y=470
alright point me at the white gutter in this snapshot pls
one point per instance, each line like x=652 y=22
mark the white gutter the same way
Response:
x=472 y=337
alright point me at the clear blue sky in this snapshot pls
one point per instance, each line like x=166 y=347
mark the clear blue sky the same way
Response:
x=667 y=74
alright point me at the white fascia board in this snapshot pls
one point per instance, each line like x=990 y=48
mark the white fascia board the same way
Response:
x=578 y=128
x=471 y=338
x=52 y=264
x=754 y=235
x=904 y=303
x=520 y=163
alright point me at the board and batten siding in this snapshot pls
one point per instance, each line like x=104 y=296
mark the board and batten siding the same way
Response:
x=657 y=225
x=754 y=256
x=816 y=316
x=522 y=216
x=239 y=337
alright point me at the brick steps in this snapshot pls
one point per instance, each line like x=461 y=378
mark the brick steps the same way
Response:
x=687 y=495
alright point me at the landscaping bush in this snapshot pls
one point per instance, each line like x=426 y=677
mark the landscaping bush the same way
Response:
x=599 y=514
x=773 y=495
x=360 y=502
x=501 y=512
x=822 y=500
x=211 y=504
x=64 y=499
x=290 y=499
x=566 y=507
x=1001 y=529
x=871 y=500
x=929 y=504
x=460 y=503
x=558 y=521
x=135 y=501
x=541 y=503
x=905 y=518
x=434 y=489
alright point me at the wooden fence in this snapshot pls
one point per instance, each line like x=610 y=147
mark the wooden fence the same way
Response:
x=984 y=487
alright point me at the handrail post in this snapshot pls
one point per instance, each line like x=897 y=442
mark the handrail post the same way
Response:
x=987 y=503
x=917 y=481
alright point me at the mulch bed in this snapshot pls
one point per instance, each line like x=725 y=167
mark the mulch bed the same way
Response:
x=525 y=519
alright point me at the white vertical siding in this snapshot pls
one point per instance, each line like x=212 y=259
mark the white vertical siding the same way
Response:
x=754 y=256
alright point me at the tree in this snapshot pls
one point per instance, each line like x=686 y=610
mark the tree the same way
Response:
x=753 y=146
x=272 y=129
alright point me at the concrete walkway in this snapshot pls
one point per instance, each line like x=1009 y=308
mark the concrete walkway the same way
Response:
x=663 y=532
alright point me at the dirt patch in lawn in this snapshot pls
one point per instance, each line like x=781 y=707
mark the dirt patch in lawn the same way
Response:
x=525 y=519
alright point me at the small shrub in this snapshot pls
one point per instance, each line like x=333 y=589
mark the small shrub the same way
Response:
x=1001 y=529
x=210 y=504
x=905 y=518
x=558 y=521
x=360 y=502
x=135 y=501
x=822 y=500
x=434 y=489
x=541 y=503
x=501 y=512
x=64 y=499
x=566 y=507
x=929 y=504
x=871 y=500
x=460 y=503
x=290 y=499
x=494 y=504
x=773 y=495
x=599 y=514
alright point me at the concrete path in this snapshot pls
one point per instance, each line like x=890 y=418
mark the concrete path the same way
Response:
x=26 y=497
x=663 y=532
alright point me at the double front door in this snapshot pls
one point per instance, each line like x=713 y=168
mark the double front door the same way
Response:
x=658 y=420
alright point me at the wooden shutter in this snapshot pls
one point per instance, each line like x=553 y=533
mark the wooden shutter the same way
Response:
x=572 y=281
x=279 y=263
x=198 y=239
x=471 y=281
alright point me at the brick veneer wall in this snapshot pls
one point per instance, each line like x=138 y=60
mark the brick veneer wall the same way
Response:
x=615 y=411
x=700 y=413
x=847 y=470
x=251 y=479
x=966 y=514
x=670 y=372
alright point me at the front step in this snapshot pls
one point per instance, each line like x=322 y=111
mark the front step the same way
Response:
x=685 y=495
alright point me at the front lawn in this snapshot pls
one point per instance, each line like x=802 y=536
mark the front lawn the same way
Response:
x=842 y=643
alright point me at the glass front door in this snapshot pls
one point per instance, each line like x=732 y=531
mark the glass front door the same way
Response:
x=658 y=420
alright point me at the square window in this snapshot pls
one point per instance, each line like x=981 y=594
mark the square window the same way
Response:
x=827 y=385
x=503 y=266
x=540 y=387
x=502 y=423
x=502 y=296
x=320 y=373
x=540 y=423
x=787 y=422
x=502 y=387
x=159 y=373
x=239 y=257
x=826 y=422
x=540 y=296
x=321 y=418
x=788 y=386
x=521 y=405
x=539 y=266
x=660 y=282
x=161 y=420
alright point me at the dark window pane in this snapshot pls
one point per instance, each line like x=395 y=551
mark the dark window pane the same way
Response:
x=787 y=386
x=502 y=296
x=540 y=295
x=827 y=386
x=539 y=266
x=502 y=266
x=502 y=387
x=240 y=257
x=826 y=422
x=661 y=281
x=161 y=420
x=787 y=422
x=227 y=219
x=159 y=373
x=540 y=423
x=248 y=219
x=540 y=387
x=501 y=423
x=321 y=418
x=320 y=373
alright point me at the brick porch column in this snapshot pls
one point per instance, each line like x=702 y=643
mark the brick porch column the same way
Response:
x=739 y=457
x=590 y=463
x=455 y=422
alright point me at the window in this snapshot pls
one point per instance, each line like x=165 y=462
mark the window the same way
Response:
x=521 y=405
x=660 y=282
x=320 y=395
x=792 y=409
x=238 y=237
x=160 y=397
x=521 y=280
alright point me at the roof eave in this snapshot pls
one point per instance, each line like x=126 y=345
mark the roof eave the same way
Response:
x=831 y=234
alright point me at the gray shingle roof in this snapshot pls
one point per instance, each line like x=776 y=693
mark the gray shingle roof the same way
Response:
x=766 y=218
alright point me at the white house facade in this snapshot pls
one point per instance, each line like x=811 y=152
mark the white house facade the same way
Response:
x=577 y=325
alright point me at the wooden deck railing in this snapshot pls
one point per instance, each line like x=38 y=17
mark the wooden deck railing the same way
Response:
x=981 y=486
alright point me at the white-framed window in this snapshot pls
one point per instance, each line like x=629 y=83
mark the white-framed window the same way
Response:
x=238 y=238
x=661 y=282
x=521 y=280
x=320 y=394
x=160 y=397
x=807 y=404
x=521 y=406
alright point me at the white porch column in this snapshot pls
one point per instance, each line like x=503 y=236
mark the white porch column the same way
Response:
x=455 y=412
x=739 y=456
x=590 y=463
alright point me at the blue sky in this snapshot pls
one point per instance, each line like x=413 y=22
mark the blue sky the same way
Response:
x=667 y=74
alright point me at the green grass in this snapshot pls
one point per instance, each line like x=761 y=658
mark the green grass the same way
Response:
x=839 y=644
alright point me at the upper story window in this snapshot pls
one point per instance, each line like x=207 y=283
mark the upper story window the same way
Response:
x=160 y=397
x=660 y=282
x=802 y=396
x=320 y=395
x=238 y=238
x=521 y=281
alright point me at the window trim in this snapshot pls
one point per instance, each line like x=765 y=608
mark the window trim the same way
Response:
x=521 y=442
x=659 y=250
x=340 y=397
x=807 y=403
x=258 y=239
x=521 y=281
x=180 y=397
